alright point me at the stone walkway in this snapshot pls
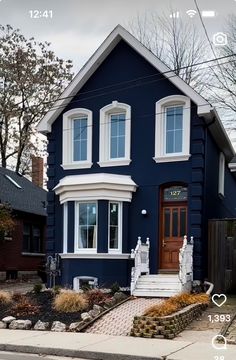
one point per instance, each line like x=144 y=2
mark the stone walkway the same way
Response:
x=119 y=321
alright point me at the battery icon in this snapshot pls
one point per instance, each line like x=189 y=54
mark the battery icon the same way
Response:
x=208 y=13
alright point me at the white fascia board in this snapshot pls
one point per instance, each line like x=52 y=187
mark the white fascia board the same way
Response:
x=95 y=61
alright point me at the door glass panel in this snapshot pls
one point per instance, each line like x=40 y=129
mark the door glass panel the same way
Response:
x=166 y=222
x=175 y=223
x=183 y=222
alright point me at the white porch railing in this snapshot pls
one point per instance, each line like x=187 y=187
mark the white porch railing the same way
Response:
x=141 y=262
x=186 y=264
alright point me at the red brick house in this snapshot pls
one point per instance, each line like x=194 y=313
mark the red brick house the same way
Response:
x=22 y=253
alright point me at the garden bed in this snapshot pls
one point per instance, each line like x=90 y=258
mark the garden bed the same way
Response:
x=41 y=306
x=163 y=321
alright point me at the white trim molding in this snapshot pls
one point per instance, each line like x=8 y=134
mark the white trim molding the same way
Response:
x=67 y=147
x=94 y=256
x=104 y=151
x=100 y=186
x=65 y=227
x=160 y=129
x=221 y=178
x=119 y=33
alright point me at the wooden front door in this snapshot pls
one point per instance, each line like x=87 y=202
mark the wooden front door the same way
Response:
x=173 y=228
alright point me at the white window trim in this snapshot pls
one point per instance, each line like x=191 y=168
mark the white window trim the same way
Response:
x=78 y=250
x=105 y=112
x=161 y=105
x=65 y=227
x=120 y=217
x=67 y=148
x=221 y=181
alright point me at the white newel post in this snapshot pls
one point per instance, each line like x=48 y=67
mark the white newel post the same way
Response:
x=186 y=264
x=141 y=262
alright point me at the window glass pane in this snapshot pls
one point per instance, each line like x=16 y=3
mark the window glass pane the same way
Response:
x=117 y=136
x=166 y=222
x=175 y=223
x=178 y=141
x=26 y=237
x=169 y=142
x=87 y=225
x=114 y=226
x=36 y=241
x=183 y=222
x=80 y=134
x=174 y=129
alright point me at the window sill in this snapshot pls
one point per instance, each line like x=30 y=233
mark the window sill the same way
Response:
x=173 y=158
x=123 y=162
x=94 y=256
x=79 y=165
x=32 y=254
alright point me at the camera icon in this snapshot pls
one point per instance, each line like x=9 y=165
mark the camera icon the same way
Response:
x=220 y=39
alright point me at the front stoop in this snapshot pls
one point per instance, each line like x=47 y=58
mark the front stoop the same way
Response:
x=160 y=285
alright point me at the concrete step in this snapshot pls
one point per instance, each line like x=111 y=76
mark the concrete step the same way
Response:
x=155 y=293
x=158 y=285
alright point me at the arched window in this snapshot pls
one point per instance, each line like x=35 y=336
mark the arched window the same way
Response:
x=172 y=138
x=115 y=125
x=77 y=139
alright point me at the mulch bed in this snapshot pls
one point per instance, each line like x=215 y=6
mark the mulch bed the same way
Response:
x=46 y=312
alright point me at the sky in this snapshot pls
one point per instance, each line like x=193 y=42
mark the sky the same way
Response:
x=76 y=28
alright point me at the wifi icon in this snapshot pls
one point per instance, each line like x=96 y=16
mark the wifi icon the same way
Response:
x=191 y=13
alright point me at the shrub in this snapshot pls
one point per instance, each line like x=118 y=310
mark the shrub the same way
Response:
x=37 y=288
x=5 y=297
x=17 y=297
x=115 y=288
x=56 y=289
x=25 y=307
x=70 y=301
x=95 y=296
x=176 y=303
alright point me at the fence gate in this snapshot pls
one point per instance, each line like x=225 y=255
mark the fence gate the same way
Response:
x=222 y=255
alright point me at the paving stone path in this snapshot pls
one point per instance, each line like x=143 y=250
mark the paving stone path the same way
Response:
x=119 y=321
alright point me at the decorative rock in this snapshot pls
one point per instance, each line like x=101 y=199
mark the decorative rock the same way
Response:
x=8 y=319
x=76 y=326
x=119 y=296
x=20 y=325
x=109 y=303
x=41 y=325
x=86 y=316
x=98 y=308
x=58 y=326
x=94 y=313
x=3 y=325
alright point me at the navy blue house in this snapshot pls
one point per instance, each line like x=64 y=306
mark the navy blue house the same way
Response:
x=133 y=151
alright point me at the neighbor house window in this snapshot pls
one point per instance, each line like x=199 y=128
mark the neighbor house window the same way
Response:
x=32 y=238
x=221 y=183
x=172 y=137
x=86 y=229
x=77 y=139
x=115 y=125
x=115 y=228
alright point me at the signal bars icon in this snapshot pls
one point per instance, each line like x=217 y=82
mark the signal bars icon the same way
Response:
x=175 y=15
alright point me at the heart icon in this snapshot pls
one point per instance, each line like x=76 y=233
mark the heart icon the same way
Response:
x=219 y=299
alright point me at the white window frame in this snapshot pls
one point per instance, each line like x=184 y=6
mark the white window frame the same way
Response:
x=221 y=181
x=120 y=229
x=76 y=229
x=160 y=129
x=104 y=142
x=67 y=136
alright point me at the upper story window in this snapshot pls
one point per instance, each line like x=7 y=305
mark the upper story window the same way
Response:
x=77 y=139
x=115 y=124
x=221 y=183
x=172 y=138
